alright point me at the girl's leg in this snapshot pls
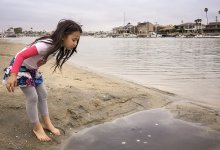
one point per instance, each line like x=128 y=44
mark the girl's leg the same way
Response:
x=42 y=100
x=32 y=112
x=43 y=109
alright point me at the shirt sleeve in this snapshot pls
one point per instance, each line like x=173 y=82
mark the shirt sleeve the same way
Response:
x=21 y=56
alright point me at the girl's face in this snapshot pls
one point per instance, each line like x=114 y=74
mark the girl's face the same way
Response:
x=70 y=41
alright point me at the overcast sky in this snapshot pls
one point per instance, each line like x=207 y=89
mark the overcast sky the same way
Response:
x=103 y=15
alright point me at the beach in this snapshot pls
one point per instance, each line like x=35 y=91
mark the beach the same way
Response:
x=79 y=98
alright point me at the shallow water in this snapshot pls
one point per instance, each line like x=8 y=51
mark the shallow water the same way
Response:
x=187 y=67
x=184 y=66
x=152 y=130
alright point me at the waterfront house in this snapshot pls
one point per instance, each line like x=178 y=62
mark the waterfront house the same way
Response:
x=186 y=27
x=142 y=29
x=213 y=28
x=10 y=32
x=166 y=30
x=118 y=30
x=1 y=35
x=129 y=28
x=145 y=28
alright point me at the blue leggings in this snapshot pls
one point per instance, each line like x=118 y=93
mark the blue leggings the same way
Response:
x=36 y=102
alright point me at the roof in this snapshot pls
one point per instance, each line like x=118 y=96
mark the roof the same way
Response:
x=185 y=24
x=167 y=28
x=214 y=23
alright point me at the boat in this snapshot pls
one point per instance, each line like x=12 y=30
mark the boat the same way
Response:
x=11 y=35
x=207 y=36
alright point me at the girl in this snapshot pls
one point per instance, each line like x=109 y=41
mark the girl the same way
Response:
x=23 y=71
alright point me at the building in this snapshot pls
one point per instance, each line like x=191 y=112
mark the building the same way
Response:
x=186 y=27
x=165 y=29
x=141 y=28
x=145 y=28
x=10 y=32
x=129 y=28
x=1 y=35
x=189 y=27
x=118 y=30
x=212 y=28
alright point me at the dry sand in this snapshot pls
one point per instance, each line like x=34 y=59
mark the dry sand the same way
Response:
x=79 y=98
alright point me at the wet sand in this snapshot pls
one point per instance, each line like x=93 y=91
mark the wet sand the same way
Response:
x=79 y=98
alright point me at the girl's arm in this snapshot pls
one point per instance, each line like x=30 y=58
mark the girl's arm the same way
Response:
x=21 y=56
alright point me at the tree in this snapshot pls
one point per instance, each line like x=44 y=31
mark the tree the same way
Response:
x=196 y=21
x=206 y=10
x=18 y=30
x=200 y=25
x=219 y=13
x=182 y=29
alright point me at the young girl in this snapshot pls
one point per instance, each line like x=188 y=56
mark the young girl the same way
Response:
x=23 y=71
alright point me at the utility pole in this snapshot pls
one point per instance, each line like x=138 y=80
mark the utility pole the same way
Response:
x=124 y=25
x=124 y=18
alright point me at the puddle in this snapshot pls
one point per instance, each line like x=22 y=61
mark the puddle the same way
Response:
x=152 y=130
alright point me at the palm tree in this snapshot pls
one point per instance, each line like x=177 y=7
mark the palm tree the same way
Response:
x=196 y=25
x=200 y=25
x=219 y=13
x=206 y=10
x=182 y=29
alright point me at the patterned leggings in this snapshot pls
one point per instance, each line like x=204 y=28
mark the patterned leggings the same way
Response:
x=36 y=102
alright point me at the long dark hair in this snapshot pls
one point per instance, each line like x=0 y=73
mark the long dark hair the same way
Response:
x=64 y=28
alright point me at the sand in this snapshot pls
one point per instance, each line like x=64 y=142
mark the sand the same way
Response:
x=80 y=98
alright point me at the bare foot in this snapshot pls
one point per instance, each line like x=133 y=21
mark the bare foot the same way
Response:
x=40 y=134
x=51 y=128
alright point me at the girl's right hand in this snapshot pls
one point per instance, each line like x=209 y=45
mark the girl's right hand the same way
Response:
x=11 y=82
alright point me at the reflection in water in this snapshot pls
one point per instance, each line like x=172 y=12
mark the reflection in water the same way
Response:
x=188 y=67
x=151 y=130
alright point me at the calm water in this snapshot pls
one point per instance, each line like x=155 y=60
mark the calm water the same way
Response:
x=187 y=67
x=146 y=130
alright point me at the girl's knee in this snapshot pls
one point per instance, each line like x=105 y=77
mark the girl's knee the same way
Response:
x=42 y=95
x=33 y=98
x=42 y=92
